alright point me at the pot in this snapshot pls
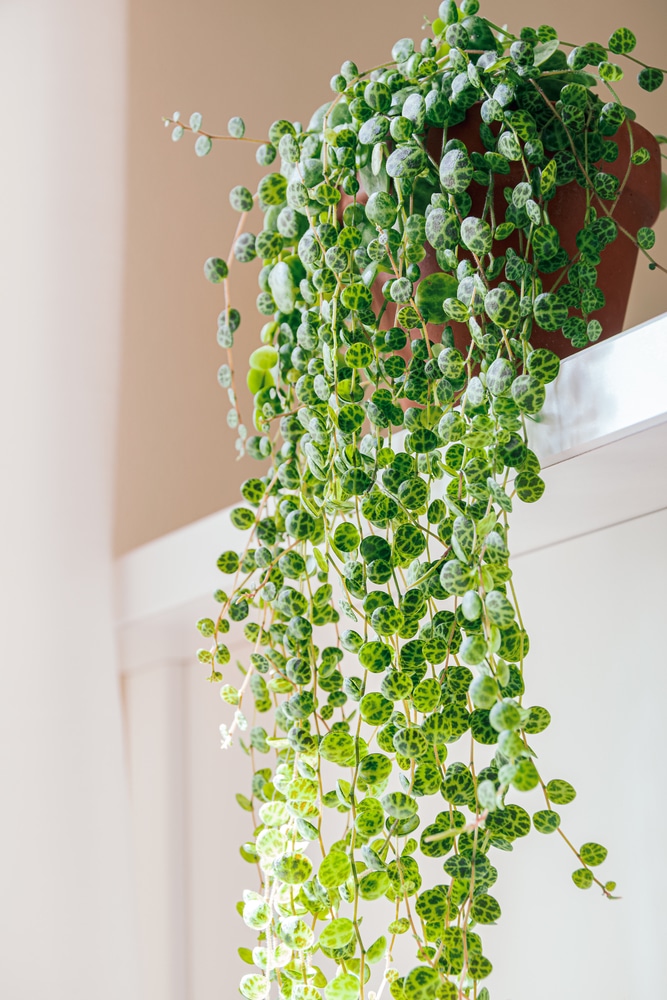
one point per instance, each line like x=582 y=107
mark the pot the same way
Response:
x=638 y=206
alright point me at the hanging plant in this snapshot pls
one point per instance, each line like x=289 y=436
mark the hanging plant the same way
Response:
x=411 y=268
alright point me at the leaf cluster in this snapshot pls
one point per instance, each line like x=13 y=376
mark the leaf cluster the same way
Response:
x=408 y=266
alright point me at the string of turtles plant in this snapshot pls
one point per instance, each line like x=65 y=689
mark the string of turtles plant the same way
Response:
x=386 y=644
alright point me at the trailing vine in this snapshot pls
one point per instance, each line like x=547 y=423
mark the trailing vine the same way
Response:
x=407 y=277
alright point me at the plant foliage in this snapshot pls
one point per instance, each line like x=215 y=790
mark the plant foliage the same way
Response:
x=405 y=277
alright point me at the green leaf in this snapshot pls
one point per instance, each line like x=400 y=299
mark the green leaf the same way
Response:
x=622 y=41
x=582 y=878
x=548 y=178
x=203 y=145
x=592 y=854
x=263 y=358
x=455 y=577
x=406 y=161
x=499 y=609
x=357 y=296
x=456 y=171
x=504 y=230
x=296 y=933
x=272 y=189
x=442 y=230
x=529 y=487
x=501 y=305
x=273 y=813
x=320 y=560
x=236 y=127
x=282 y=287
x=610 y=72
x=375 y=709
x=509 y=146
x=526 y=776
x=534 y=212
x=476 y=235
x=544 y=51
x=421 y=983
x=334 y=870
x=426 y=695
x=338 y=933
x=303 y=992
x=270 y=844
x=538 y=720
x=458 y=786
x=370 y=817
x=528 y=393
x=479 y=967
x=344 y=987
x=409 y=743
x=373 y=130
x=543 y=365
x=499 y=495
x=431 y=293
x=381 y=210
x=254 y=987
x=216 y=270
x=400 y=926
x=561 y=792
x=377 y=950
x=484 y=692
x=358 y=355
x=485 y=909
x=549 y=311
x=546 y=821
x=386 y=620
x=646 y=238
x=374 y=885
x=294 y=869
x=338 y=747
x=473 y=650
x=650 y=78
x=398 y=805
x=241 y=199
x=376 y=767
x=257 y=914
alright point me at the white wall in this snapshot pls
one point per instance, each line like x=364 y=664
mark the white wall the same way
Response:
x=156 y=716
x=594 y=608
x=66 y=899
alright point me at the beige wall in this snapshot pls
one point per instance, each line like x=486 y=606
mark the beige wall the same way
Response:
x=176 y=459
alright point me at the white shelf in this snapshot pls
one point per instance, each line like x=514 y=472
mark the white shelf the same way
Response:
x=612 y=390
x=601 y=439
x=602 y=442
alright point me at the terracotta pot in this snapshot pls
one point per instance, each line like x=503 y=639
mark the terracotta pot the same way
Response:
x=638 y=206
